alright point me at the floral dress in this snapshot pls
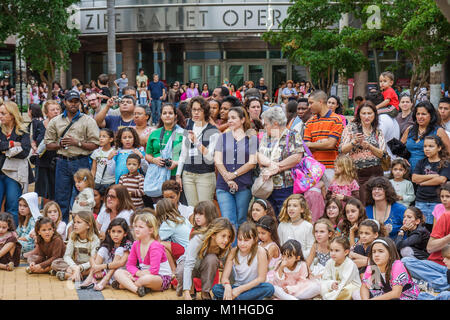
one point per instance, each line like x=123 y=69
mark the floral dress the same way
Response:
x=399 y=276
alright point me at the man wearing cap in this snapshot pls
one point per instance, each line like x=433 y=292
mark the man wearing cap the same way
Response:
x=74 y=135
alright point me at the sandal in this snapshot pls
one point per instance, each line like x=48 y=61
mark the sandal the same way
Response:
x=87 y=286
x=61 y=275
x=28 y=270
x=99 y=286
x=10 y=266
x=142 y=291
x=206 y=296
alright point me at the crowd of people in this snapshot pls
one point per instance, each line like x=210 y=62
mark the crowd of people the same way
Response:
x=223 y=194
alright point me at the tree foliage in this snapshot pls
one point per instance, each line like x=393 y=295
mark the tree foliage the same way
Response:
x=310 y=35
x=46 y=40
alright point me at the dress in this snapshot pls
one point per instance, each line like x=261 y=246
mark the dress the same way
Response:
x=273 y=262
x=296 y=282
x=315 y=201
x=302 y=233
x=24 y=231
x=347 y=277
x=318 y=265
x=399 y=276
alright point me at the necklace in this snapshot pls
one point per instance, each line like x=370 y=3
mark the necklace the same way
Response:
x=297 y=220
x=385 y=213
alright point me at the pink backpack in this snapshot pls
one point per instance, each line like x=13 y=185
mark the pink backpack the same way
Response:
x=307 y=172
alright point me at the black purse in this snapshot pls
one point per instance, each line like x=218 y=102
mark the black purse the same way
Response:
x=398 y=148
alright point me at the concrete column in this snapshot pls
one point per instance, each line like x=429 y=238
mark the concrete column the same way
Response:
x=435 y=84
x=22 y=95
x=342 y=89
x=361 y=78
x=129 y=55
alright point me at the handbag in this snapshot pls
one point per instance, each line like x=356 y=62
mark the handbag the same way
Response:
x=156 y=175
x=307 y=173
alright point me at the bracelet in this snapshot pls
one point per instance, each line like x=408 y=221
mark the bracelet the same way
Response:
x=107 y=266
x=227 y=282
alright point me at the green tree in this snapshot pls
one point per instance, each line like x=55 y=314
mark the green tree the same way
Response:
x=416 y=28
x=310 y=36
x=46 y=38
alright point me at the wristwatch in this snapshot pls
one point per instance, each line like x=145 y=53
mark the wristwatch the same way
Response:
x=79 y=144
x=235 y=173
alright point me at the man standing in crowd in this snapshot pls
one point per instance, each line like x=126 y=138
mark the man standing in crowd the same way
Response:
x=157 y=95
x=141 y=77
x=444 y=112
x=219 y=93
x=303 y=110
x=74 y=135
x=115 y=122
x=262 y=87
x=323 y=132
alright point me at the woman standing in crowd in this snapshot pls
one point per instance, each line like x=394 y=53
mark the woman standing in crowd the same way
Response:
x=365 y=144
x=335 y=105
x=159 y=138
x=143 y=130
x=234 y=92
x=404 y=118
x=45 y=165
x=235 y=157
x=279 y=151
x=192 y=91
x=15 y=147
x=196 y=170
x=382 y=205
x=214 y=113
x=205 y=91
x=253 y=105
x=426 y=121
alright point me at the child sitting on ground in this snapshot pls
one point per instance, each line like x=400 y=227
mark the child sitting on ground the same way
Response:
x=9 y=246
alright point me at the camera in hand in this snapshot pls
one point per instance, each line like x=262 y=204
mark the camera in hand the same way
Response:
x=167 y=162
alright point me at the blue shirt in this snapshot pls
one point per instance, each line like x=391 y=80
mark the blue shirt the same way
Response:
x=156 y=89
x=395 y=218
x=416 y=148
x=116 y=122
x=121 y=162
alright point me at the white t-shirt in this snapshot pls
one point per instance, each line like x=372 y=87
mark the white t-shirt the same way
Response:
x=102 y=159
x=390 y=129
x=104 y=218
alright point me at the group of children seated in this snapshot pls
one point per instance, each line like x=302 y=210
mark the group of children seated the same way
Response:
x=341 y=255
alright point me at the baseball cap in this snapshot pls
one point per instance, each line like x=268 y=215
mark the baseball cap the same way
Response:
x=72 y=94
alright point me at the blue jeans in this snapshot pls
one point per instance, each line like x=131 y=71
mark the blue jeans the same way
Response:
x=65 y=191
x=277 y=198
x=12 y=190
x=427 y=210
x=156 y=110
x=261 y=291
x=234 y=206
x=143 y=101
x=428 y=271
x=445 y=295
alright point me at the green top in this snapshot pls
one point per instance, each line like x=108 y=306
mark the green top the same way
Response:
x=154 y=145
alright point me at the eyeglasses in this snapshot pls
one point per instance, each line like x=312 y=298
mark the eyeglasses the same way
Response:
x=111 y=196
x=197 y=110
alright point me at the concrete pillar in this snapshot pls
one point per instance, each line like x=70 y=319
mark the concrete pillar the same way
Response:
x=342 y=89
x=129 y=56
x=22 y=95
x=435 y=84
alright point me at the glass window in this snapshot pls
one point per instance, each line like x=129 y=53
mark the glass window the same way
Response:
x=203 y=55
x=279 y=73
x=196 y=73
x=255 y=72
x=372 y=77
x=298 y=73
x=213 y=76
x=246 y=54
x=236 y=74
x=275 y=54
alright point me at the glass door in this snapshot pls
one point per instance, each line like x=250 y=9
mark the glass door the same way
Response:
x=255 y=72
x=213 y=76
x=195 y=73
x=279 y=73
x=236 y=73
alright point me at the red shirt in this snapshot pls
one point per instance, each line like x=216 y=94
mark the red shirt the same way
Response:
x=390 y=94
x=440 y=230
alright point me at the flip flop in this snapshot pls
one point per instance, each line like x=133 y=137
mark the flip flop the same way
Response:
x=88 y=286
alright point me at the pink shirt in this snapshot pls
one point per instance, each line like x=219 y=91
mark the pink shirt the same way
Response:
x=438 y=211
x=154 y=257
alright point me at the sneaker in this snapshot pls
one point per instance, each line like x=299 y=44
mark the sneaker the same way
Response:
x=142 y=291
x=52 y=272
x=61 y=275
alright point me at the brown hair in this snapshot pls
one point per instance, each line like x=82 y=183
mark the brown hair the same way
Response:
x=330 y=229
x=203 y=104
x=125 y=202
x=87 y=217
x=242 y=114
x=209 y=210
x=339 y=205
x=23 y=220
x=404 y=164
x=346 y=224
x=381 y=182
x=387 y=74
x=393 y=255
x=343 y=241
x=266 y=205
x=49 y=103
x=47 y=207
x=40 y=222
x=306 y=214
x=214 y=228
x=247 y=230
x=171 y=185
x=165 y=210
x=418 y=214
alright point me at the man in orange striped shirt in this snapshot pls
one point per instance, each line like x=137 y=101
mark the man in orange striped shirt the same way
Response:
x=323 y=132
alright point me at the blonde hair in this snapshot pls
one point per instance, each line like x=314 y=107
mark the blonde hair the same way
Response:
x=85 y=175
x=87 y=217
x=49 y=103
x=348 y=168
x=13 y=109
x=47 y=208
x=216 y=226
x=306 y=214
x=330 y=229
x=150 y=221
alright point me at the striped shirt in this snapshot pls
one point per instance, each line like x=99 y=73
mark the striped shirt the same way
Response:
x=135 y=186
x=319 y=128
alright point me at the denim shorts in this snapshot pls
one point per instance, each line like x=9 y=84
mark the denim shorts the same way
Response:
x=427 y=210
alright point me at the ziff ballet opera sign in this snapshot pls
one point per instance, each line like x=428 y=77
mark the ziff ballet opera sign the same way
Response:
x=187 y=19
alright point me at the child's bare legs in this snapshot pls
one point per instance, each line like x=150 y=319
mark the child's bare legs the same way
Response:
x=90 y=278
x=69 y=274
x=104 y=282
x=168 y=248
x=8 y=266
x=126 y=280
x=150 y=281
